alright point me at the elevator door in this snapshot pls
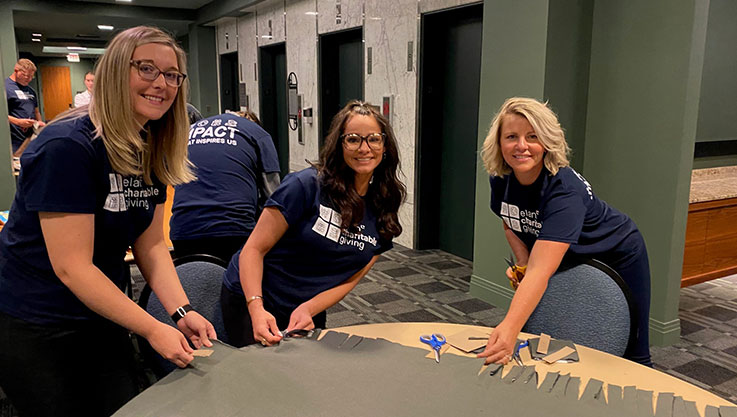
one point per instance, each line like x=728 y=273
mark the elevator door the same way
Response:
x=341 y=74
x=229 y=82
x=447 y=145
x=273 y=94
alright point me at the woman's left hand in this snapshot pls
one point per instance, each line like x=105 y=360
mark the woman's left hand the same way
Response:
x=197 y=329
x=301 y=318
x=500 y=347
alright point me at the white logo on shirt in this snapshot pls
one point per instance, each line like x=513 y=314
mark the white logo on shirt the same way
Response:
x=22 y=95
x=127 y=192
x=586 y=183
x=328 y=224
x=521 y=220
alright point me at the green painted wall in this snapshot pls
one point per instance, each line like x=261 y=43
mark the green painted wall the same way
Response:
x=202 y=59
x=512 y=64
x=717 y=109
x=8 y=57
x=643 y=101
x=567 y=69
x=627 y=92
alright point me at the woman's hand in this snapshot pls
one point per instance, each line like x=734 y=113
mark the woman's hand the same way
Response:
x=500 y=347
x=264 y=326
x=171 y=344
x=197 y=329
x=301 y=318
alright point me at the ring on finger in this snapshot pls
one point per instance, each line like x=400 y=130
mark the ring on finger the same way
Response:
x=263 y=341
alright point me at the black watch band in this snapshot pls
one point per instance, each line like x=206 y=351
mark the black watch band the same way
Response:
x=181 y=312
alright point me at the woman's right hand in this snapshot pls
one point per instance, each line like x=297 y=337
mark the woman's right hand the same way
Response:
x=171 y=344
x=265 y=330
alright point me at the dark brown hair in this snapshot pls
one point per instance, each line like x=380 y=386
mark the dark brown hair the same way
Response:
x=385 y=193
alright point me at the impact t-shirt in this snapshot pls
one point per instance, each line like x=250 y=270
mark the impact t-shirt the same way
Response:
x=22 y=103
x=563 y=208
x=67 y=170
x=230 y=154
x=314 y=254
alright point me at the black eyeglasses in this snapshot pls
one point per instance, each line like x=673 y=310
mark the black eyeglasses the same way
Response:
x=352 y=141
x=150 y=72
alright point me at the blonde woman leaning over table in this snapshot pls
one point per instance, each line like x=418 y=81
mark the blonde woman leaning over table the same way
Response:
x=92 y=184
x=548 y=210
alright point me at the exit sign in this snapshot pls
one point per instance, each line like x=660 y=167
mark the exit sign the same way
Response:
x=73 y=57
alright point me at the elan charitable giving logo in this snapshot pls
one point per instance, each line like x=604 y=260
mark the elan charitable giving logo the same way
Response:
x=521 y=220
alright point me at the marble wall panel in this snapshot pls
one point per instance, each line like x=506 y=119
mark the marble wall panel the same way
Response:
x=227 y=35
x=302 y=60
x=351 y=15
x=270 y=23
x=388 y=31
x=248 y=58
x=435 y=5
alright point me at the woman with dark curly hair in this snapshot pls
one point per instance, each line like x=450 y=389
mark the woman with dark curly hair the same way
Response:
x=319 y=234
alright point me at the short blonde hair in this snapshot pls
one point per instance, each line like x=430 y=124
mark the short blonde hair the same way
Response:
x=546 y=126
x=25 y=65
x=164 y=151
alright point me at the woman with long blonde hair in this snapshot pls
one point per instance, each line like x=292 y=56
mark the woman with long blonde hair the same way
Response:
x=91 y=185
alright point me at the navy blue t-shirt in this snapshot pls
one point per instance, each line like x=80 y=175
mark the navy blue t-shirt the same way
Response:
x=563 y=208
x=22 y=103
x=229 y=153
x=314 y=254
x=67 y=170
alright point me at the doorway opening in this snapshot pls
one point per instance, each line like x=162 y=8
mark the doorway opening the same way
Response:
x=273 y=99
x=446 y=152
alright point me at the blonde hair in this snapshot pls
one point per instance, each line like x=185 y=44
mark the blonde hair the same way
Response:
x=164 y=151
x=25 y=65
x=546 y=126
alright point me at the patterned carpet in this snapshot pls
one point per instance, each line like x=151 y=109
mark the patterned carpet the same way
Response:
x=431 y=285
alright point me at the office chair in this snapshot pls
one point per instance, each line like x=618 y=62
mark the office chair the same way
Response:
x=202 y=278
x=587 y=302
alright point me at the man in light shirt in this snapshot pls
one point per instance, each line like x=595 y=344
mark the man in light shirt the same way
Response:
x=83 y=99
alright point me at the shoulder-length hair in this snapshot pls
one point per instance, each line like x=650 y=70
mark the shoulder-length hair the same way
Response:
x=546 y=126
x=164 y=150
x=386 y=192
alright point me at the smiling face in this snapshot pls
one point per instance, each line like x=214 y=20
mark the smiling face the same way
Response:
x=521 y=148
x=150 y=100
x=363 y=160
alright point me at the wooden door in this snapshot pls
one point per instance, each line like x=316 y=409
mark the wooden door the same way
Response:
x=56 y=87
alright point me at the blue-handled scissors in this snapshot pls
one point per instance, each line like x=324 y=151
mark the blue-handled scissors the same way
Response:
x=516 y=352
x=436 y=340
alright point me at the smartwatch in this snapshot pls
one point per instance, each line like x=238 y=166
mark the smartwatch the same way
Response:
x=180 y=312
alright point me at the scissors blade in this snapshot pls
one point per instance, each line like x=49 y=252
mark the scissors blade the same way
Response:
x=437 y=355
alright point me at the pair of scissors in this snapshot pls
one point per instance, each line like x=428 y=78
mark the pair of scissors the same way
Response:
x=436 y=340
x=518 y=272
x=516 y=352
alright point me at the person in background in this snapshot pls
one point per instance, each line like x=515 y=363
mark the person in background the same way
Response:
x=83 y=98
x=23 y=114
x=321 y=232
x=91 y=185
x=193 y=114
x=236 y=167
x=549 y=210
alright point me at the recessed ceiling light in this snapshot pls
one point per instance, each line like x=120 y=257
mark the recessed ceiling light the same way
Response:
x=105 y=27
x=123 y=1
x=311 y=13
x=36 y=40
x=37 y=34
x=76 y=48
